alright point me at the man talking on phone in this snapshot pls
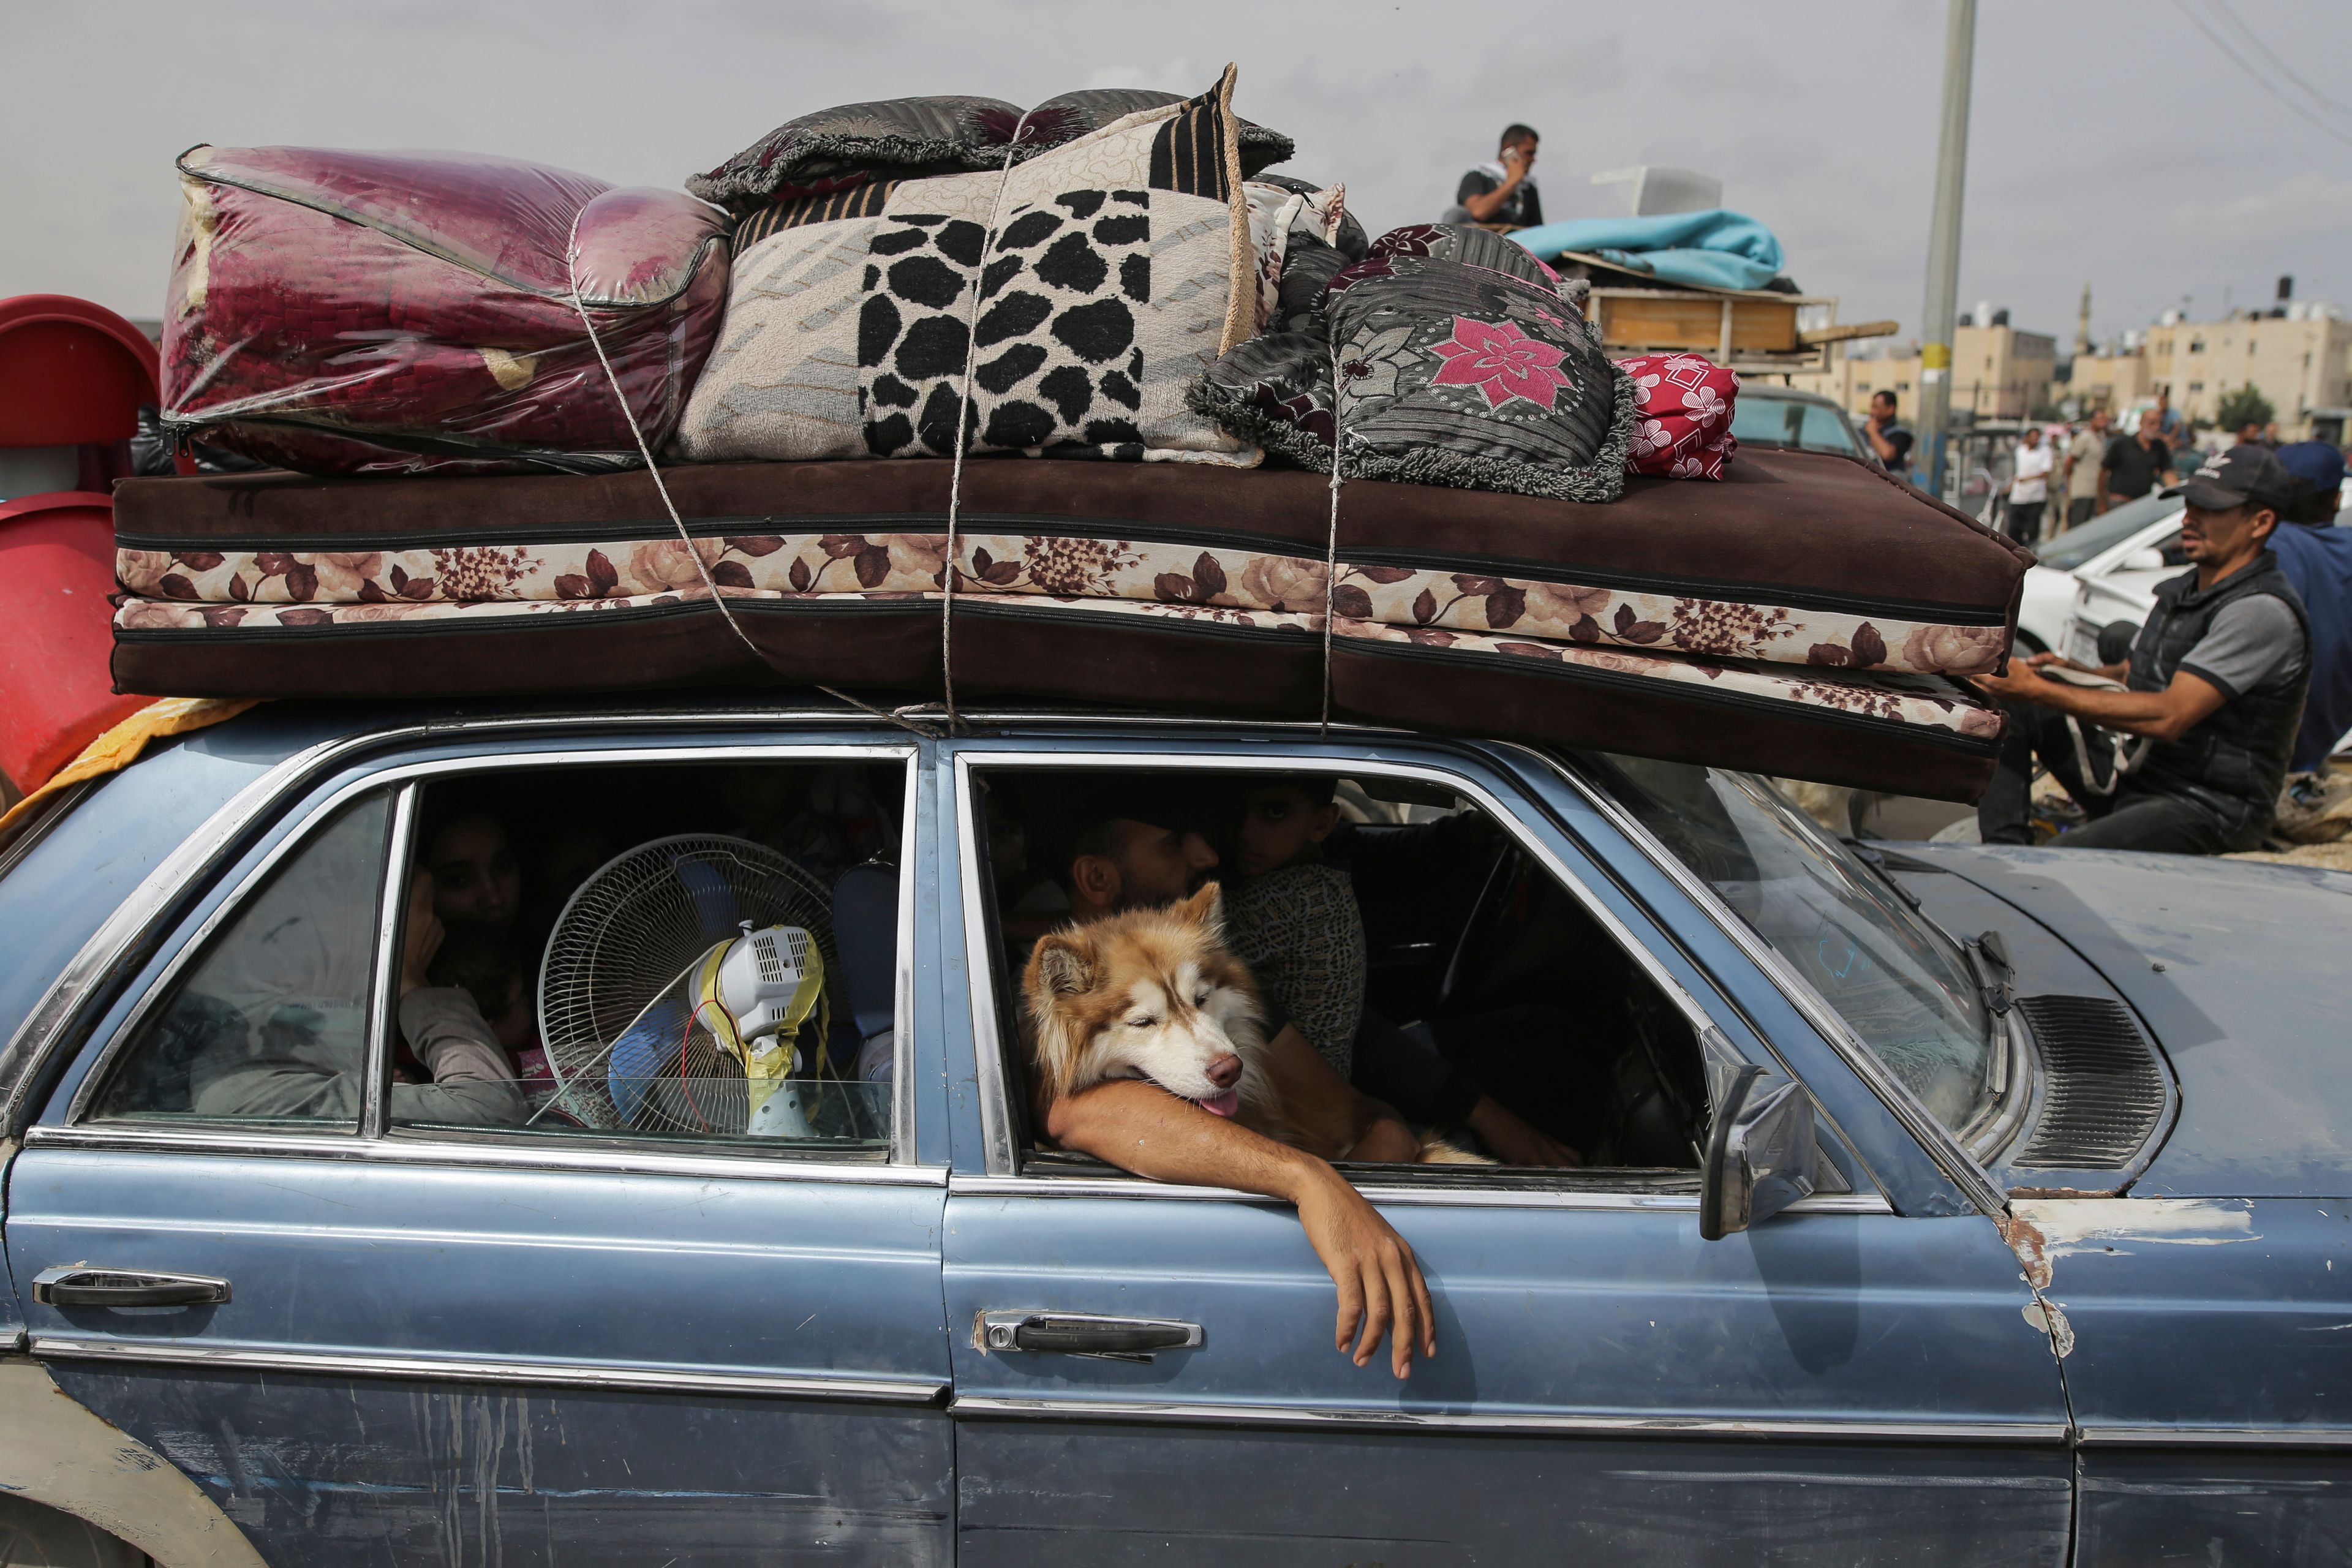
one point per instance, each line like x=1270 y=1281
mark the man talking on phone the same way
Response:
x=1502 y=193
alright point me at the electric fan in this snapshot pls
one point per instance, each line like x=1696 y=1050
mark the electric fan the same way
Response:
x=688 y=987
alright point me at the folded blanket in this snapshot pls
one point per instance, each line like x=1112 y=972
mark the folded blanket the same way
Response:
x=1713 y=249
x=1683 y=416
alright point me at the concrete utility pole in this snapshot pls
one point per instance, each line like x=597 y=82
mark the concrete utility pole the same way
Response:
x=1944 y=243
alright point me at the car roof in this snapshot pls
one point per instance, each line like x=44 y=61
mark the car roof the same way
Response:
x=1787 y=394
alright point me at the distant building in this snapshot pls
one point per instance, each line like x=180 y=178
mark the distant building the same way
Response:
x=1998 y=373
x=2300 y=360
x=2113 y=381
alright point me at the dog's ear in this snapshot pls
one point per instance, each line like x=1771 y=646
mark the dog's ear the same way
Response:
x=1205 y=909
x=1064 y=962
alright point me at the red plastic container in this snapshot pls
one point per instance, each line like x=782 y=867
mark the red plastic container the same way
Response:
x=57 y=568
x=72 y=374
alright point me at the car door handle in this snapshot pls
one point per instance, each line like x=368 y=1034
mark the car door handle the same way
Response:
x=1085 y=1333
x=79 y=1285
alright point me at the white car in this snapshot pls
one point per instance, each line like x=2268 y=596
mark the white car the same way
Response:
x=2123 y=545
x=2119 y=583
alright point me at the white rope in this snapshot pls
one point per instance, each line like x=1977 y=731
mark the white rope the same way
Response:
x=572 y=279
x=964 y=413
x=1330 y=568
x=1332 y=546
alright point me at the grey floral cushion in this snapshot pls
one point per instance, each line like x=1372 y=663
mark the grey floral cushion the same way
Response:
x=1434 y=370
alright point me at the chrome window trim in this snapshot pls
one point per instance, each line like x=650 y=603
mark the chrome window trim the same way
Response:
x=452 y=1369
x=2216 y=1437
x=28 y=1049
x=1387 y=1195
x=400 y=1148
x=995 y=1110
x=988 y=1045
x=996 y=1407
x=902 y=978
x=1962 y=1169
x=406 y=779
x=1997 y=1127
x=383 y=993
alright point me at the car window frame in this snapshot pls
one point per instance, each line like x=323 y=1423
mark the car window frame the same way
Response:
x=1002 y=1170
x=1976 y=1184
x=303 y=817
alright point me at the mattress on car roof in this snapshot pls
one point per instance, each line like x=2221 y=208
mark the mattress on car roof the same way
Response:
x=1803 y=616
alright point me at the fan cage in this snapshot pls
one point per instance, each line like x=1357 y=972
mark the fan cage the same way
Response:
x=628 y=939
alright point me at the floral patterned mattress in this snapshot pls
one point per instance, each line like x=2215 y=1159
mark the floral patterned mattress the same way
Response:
x=1806 y=615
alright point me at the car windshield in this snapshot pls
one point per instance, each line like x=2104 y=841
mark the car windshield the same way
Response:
x=1900 y=983
x=1769 y=421
x=2104 y=531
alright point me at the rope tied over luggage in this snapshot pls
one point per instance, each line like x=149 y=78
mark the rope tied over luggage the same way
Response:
x=949 y=570
x=595 y=341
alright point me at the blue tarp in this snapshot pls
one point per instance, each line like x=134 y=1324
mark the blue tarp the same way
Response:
x=1717 y=248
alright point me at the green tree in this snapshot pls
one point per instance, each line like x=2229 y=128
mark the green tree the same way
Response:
x=2242 y=407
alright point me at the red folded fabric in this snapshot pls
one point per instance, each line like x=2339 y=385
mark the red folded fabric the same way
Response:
x=1682 y=423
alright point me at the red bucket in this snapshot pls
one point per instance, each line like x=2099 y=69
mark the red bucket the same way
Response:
x=57 y=568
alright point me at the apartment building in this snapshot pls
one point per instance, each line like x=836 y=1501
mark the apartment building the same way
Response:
x=2301 y=361
x=1998 y=373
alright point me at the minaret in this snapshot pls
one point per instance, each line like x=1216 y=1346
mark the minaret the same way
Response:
x=2083 y=324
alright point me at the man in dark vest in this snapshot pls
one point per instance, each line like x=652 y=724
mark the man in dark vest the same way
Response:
x=2189 y=755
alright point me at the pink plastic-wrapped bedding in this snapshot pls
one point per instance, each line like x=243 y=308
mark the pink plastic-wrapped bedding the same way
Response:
x=376 y=312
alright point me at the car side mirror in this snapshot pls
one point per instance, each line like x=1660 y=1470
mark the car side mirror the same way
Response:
x=1759 y=1154
x=2143 y=560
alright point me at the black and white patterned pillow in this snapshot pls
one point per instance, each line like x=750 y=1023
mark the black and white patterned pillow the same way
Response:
x=1109 y=286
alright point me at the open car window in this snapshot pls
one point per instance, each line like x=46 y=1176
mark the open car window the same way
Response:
x=667 y=954
x=1432 y=964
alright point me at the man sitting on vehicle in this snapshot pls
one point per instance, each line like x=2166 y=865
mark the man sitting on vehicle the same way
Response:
x=1502 y=194
x=1137 y=846
x=2215 y=683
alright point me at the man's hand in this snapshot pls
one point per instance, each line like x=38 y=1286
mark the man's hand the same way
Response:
x=1141 y=1127
x=1380 y=1287
x=2023 y=680
x=421 y=936
x=1515 y=1142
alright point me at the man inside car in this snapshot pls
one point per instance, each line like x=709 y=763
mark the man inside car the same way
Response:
x=2214 y=684
x=1136 y=847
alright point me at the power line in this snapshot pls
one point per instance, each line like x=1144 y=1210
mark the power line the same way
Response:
x=2251 y=37
x=2260 y=80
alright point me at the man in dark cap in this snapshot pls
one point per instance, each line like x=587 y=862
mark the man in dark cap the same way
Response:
x=2316 y=556
x=2212 y=689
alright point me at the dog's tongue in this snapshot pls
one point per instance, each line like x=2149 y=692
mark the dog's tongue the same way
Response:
x=1224 y=1104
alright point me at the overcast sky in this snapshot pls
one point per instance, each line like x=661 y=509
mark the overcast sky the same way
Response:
x=2112 y=142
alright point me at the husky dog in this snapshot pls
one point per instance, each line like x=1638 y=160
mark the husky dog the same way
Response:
x=1156 y=994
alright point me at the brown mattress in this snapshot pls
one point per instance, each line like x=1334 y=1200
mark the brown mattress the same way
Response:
x=1802 y=616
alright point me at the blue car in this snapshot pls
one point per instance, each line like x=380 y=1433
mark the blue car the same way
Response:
x=1937 y=1205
